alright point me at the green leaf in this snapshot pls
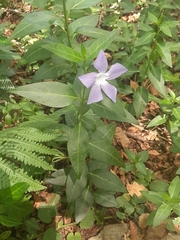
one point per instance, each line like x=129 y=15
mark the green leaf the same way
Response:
x=135 y=57
x=156 y=78
x=140 y=100
x=13 y=193
x=145 y=39
x=142 y=156
x=141 y=167
x=165 y=29
x=101 y=43
x=35 y=52
x=176 y=209
x=113 y=111
x=51 y=233
x=59 y=178
x=131 y=155
x=106 y=180
x=75 y=186
x=80 y=4
x=74 y=236
x=46 y=212
x=158 y=185
x=78 y=147
x=5 y=235
x=153 y=197
x=162 y=213
x=152 y=17
x=52 y=69
x=63 y=51
x=106 y=132
x=174 y=188
x=9 y=222
x=103 y=151
x=164 y=53
x=33 y=22
x=86 y=22
x=158 y=120
x=83 y=204
x=51 y=94
x=92 y=31
x=105 y=199
x=88 y=220
x=176 y=113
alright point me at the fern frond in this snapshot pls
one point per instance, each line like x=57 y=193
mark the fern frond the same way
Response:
x=28 y=158
x=10 y=174
x=36 y=135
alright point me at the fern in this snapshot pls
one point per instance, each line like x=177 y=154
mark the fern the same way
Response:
x=24 y=147
x=10 y=174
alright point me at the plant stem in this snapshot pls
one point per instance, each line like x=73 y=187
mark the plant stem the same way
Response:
x=66 y=22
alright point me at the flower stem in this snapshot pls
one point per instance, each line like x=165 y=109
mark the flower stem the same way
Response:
x=66 y=23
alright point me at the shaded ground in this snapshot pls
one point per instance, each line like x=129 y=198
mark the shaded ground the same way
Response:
x=134 y=137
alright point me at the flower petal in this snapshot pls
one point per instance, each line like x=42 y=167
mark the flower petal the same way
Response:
x=110 y=91
x=95 y=94
x=88 y=79
x=101 y=63
x=115 y=71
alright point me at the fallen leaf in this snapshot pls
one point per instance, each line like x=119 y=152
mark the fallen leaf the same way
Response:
x=135 y=188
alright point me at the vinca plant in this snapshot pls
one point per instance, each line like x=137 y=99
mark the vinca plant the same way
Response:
x=86 y=56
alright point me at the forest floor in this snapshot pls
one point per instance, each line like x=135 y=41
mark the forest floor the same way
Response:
x=137 y=138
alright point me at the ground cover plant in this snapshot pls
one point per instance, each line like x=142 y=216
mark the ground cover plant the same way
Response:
x=75 y=77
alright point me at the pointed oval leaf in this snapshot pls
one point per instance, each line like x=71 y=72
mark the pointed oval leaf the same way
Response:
x=64 y=52
x=106 y=180
x=77 y=146
x=174 y=188
x=80 y=4
x=87 y=21
x=162 y=213
x=158 y=120
x=145 y=39
x=33 y=22
x=105 y=199
x=101 y=43
x=51 y=94
x=13 y=193
x=103 y=151
x=75 y=186
x=164 y=53
x=83 y=205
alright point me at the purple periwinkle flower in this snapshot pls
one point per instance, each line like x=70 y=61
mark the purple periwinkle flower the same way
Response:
x=98 y=81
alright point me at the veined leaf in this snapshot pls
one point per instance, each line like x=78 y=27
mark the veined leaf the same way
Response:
x=33 y=22
x=145 y=39
x=87 y=21
x=156 y=79
x=13 y=193
x=9 y=222
x=162 y=213
x=101 y=43
x=174 y=188
x=78 y=148
x=83 y=204
x=80 y=4
x=103 y=151
x=64 y=52
x=52 y=94
x=75 y=186
x=164 y=53
x=106 y=180
x=105 y=199
x=152 y=17
x=158 y=120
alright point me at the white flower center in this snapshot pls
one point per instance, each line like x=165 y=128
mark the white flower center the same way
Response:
x=101 y=79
